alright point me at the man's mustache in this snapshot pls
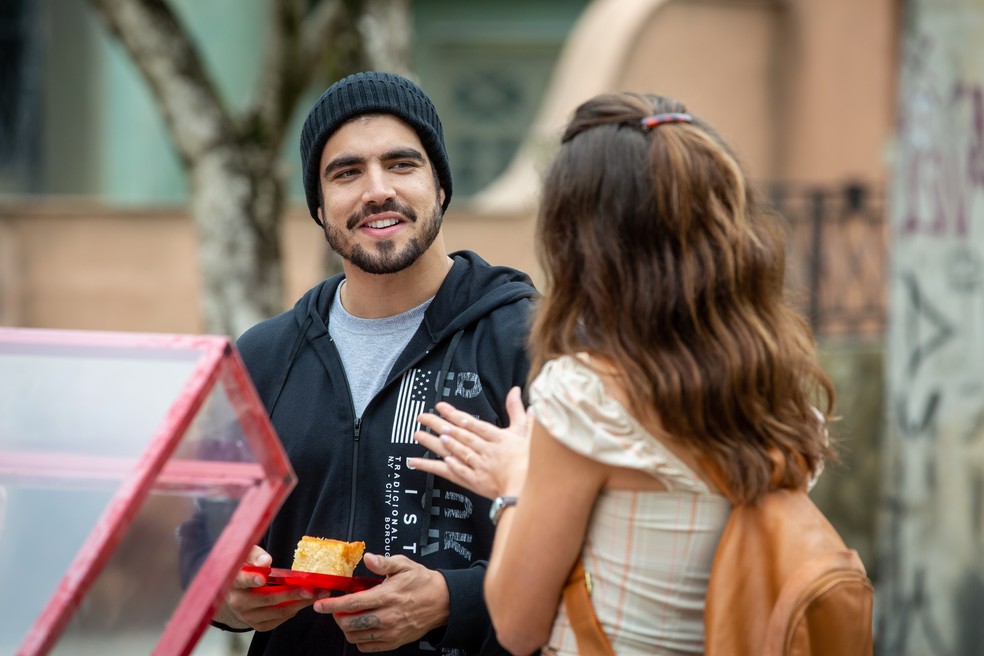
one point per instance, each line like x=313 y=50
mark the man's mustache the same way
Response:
x=389 y=206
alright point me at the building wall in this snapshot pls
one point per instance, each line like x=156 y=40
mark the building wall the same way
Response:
x=486 y=66
x=802 y=89
x=82 y=265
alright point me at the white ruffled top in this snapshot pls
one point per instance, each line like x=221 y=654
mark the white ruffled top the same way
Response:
x=649 y=552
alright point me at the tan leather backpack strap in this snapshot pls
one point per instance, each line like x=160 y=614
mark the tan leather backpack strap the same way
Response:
x=714 y=472
x=591 y=638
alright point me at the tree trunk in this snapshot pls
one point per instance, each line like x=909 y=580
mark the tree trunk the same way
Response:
x=386 y=27
x=236 y=203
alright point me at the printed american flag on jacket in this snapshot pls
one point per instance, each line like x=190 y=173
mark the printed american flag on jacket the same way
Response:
x=412 y=400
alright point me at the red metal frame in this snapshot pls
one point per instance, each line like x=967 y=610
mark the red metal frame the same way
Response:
x=268 y=481
x=253 y=514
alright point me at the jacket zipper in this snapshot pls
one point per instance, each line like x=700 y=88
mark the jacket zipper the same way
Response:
x=357 y=433
x=355 y=475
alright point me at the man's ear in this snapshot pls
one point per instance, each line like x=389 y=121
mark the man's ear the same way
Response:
x=442 y=196
x=321 y=216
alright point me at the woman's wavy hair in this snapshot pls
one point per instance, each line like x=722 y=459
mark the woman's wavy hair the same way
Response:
x=659 y=257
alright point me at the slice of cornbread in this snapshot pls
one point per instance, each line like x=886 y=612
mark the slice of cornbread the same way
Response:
x=325 y=556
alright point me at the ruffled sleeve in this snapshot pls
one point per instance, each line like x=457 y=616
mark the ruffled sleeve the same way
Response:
x=569 y=400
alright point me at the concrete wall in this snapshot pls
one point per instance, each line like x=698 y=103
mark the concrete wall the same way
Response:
x=932 y=517
x=79 y=265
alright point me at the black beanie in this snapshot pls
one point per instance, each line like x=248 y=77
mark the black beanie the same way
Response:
x=370 y=93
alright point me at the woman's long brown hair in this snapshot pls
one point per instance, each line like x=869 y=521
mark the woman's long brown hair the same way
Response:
x=659 y=258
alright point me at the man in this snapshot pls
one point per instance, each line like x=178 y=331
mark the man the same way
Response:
x=346 y=372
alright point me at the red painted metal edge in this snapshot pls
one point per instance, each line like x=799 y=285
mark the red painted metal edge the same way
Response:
x=81 y=471
x=248 y=522
x=208 y=588
x=114 y=340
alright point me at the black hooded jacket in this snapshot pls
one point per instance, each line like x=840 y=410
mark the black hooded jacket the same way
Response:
x=353 y=481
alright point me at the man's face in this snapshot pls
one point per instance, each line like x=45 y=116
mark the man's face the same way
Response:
x=380 y=201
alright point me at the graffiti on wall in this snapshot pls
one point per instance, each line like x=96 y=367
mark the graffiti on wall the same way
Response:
x=938 y=311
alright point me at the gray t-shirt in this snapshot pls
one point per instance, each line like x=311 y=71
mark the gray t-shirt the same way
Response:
x=370 y=347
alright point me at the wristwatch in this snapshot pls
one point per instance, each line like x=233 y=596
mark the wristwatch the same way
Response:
x=500 y=504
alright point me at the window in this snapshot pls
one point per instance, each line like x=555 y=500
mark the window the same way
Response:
x=20 y=102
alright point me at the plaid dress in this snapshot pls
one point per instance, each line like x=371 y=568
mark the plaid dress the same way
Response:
x=649 y=552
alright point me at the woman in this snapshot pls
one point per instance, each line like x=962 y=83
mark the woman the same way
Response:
x=663 y=348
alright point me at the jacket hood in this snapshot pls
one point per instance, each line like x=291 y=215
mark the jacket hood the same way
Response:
x=472 y=289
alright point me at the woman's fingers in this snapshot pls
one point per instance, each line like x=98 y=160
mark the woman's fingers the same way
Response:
x=461 y=442
x=453 y=468
x=456 y=419
x=432 y=465
x=431 y=442
x=518 y=417
x=461 y=427
x=458 y=446
x=452 y=442
x=475 y=454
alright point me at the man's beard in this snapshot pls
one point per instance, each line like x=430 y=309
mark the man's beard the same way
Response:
x=384 y=258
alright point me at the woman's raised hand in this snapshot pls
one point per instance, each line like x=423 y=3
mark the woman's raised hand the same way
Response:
x=475 y=454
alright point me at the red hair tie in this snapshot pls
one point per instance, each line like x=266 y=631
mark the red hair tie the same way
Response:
x=650 y=122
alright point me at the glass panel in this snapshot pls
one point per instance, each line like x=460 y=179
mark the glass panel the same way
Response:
x=43 y=531
x=193 y=499
x=215 y=434
x=130 y=601
x=87 y=400
x=73 y=420
x=82 y=426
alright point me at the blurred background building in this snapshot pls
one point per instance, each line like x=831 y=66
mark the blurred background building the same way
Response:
x=833 y=105
x=93 y=213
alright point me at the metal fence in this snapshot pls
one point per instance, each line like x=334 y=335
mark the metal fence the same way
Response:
x=837 y=256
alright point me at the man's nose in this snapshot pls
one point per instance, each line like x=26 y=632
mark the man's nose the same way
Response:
x=378 y=188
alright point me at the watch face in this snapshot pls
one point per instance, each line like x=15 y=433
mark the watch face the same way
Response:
x=500 y=504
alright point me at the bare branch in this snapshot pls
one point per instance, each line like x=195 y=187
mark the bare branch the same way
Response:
x=317 y=32
x=297 y=43
x=171 y=65
x=276 y=89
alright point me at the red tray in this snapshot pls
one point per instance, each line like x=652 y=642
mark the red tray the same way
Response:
x=296 y=579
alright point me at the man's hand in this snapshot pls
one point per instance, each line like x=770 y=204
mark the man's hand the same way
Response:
x=250 y=604
x=410 y=602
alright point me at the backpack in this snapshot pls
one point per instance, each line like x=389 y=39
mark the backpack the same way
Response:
x=783 y=583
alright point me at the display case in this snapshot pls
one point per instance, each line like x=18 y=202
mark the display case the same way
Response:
x=136 y=471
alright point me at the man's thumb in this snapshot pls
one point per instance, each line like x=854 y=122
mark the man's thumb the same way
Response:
x=377 y=564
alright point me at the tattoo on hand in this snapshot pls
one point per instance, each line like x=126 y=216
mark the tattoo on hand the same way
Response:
x=364 y=622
